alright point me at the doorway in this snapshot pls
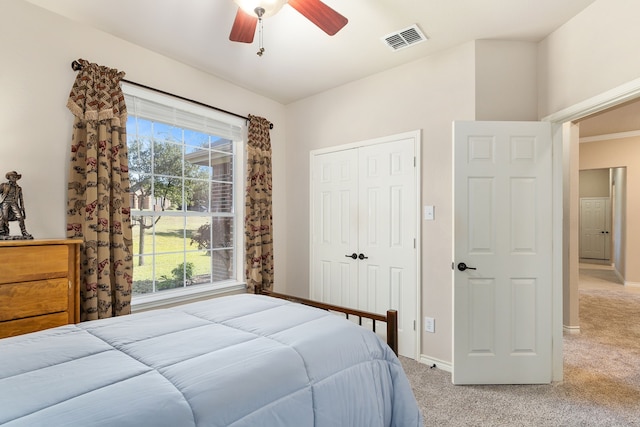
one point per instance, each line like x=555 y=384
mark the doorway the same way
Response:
x=566 y=170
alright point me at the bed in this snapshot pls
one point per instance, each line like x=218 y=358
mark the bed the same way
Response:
x=241 y=360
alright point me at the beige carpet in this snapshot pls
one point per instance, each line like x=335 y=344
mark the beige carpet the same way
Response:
x=601 y=384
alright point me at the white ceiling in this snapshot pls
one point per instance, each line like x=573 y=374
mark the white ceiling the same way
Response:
x=300 y=60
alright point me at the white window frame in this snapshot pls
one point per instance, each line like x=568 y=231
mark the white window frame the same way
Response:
x=237 y=284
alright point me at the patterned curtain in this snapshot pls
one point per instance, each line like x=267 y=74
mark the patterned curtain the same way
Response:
x=258 y=219
x=98 y=206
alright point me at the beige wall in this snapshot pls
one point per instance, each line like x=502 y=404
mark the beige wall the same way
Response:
x=623 y=152
x=506 y=80
x=570 y=201
x=619 y=220
x=37 y=48
x=595 y=183
x=591 y=54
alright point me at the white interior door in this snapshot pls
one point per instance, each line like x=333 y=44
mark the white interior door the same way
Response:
x=503 y=232
x=387 y=235
x=335 y=227
x=595 y=236
x=365 y=202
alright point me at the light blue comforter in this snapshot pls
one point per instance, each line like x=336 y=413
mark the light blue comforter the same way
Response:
x=243 y=360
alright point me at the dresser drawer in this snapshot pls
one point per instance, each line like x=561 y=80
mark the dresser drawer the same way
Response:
x=24 y=263
x=28 y=299
x=39 y=284
x=32 y=324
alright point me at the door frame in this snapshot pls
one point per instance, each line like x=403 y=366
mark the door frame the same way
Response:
x=416 y=135
x=611 y=98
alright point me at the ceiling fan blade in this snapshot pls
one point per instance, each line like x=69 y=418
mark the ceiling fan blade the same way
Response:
x=327 y=19
x=244 y=27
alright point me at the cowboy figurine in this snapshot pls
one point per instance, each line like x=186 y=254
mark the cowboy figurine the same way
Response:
x=12 y=205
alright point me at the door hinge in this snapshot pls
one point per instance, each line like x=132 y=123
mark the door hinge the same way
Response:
x=414 y=161
x=414 y=243
x=414 y=325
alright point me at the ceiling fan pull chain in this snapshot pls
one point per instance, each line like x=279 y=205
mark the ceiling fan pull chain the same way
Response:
x=260 y=11
x=261 y=50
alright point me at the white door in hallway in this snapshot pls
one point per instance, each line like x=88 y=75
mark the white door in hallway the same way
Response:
x=595 y=236
x=364 y=205
x=503 y=234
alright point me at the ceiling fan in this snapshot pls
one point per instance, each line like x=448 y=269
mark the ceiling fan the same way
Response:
x=252 y=11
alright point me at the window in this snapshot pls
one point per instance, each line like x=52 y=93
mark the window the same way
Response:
x=186 y=174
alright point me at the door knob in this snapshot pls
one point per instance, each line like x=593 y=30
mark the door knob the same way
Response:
x=361 y=256
x=462 y=267
x=352 y=256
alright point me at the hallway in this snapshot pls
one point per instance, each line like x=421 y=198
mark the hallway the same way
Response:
x=602 y=360
x=601 y=276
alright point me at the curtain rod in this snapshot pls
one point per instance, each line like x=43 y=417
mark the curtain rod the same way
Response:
x=76 y=66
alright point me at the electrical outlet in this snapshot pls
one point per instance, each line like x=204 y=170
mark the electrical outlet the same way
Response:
x=429 y=324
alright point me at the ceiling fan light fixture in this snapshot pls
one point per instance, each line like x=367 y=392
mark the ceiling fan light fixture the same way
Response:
x=270 y=7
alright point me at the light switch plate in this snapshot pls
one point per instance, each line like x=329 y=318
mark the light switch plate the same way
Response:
x=429 y=324
x=429 y=212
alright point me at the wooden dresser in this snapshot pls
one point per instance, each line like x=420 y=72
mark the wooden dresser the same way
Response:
x=39 y=284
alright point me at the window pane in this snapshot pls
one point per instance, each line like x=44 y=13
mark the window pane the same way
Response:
x=210 y=233
x=221 y=144
x=221 y=233
x=221 y=197
x=162 y=131
x=139 y=153
x=198 y=195
x=222 y=264
x=197 y=233
x=139 y=127
x=199 y=264
x=167 y=194
x=222 y=167
x=142 y=274
x=197 y=163
x=193 y=138
x=169 y=235
x=142 y=224
x=167 y=158
x=169 y=271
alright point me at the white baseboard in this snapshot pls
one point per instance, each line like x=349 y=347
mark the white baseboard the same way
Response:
x=617 y=273
x=436 y=363
x=571 y=329
x=632 y=284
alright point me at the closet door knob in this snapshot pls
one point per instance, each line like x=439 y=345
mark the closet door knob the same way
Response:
x=352 y=256
x=361 y=256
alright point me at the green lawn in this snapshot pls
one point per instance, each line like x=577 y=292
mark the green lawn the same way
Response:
x=169 y=248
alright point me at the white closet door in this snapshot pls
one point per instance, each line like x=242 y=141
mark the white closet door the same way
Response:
x=335 y=227
x=364 y=202
x=387 y=234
